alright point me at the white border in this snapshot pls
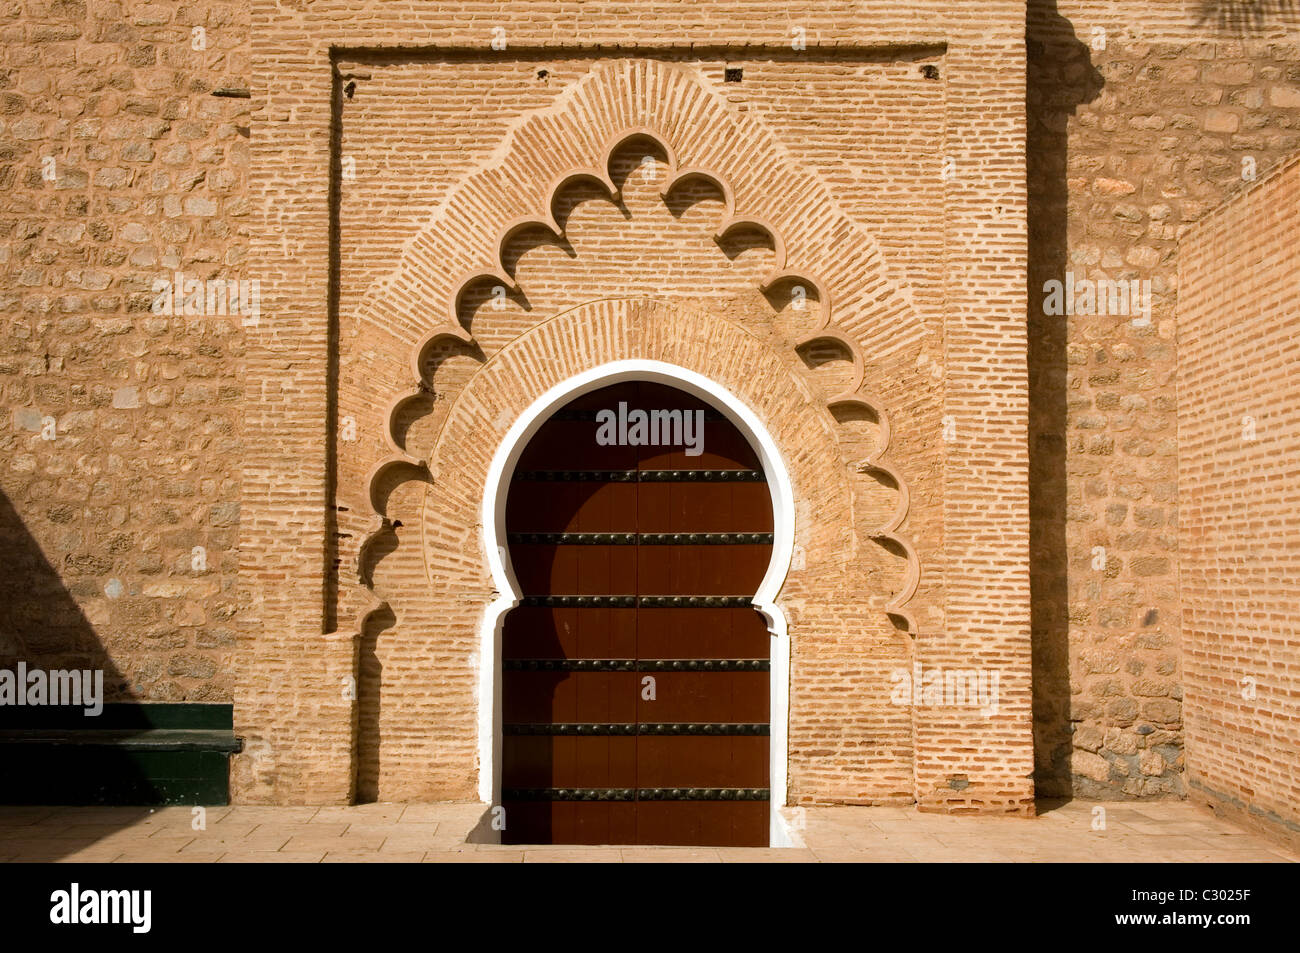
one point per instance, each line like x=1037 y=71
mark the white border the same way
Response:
x=494 y=517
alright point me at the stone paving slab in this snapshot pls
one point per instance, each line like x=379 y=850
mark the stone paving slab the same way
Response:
x=1162 y=831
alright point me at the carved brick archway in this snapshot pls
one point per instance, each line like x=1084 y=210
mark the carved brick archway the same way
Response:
x=549 y=259
x=436 y=582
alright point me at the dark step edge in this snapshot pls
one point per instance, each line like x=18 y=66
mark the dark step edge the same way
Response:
x=148 y=739
x=120 y=716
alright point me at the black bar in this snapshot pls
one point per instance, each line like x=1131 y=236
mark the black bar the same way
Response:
x=645 y=602
x=706 y=539
x=643 y=539
x=701 y=476
x=580 y=602
x=636 y=794
x=569 y=794
x=695 y=602
x=636 y=665
x=702 y=794
x=704 y=665
x=569 y=665
x=712 y=729
x=642 y=476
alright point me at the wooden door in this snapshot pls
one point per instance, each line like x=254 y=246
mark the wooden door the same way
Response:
x=635 y=683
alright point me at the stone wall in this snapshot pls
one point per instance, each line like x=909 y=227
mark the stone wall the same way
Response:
x=119 y=443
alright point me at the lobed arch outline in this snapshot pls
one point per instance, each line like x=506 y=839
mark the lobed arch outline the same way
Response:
x=573 y=138
x=599 y=114
x=453 y=330
x=544 y=219
x=866 y=293
x=765 y=597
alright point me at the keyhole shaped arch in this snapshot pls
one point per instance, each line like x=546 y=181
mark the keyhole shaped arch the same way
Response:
x=496 y=490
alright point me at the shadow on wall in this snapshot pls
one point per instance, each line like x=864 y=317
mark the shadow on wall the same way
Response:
x=1061 y=77
x=43 y=628
x=369 y=690
x=41 y=622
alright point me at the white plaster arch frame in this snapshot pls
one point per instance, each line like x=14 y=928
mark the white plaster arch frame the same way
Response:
x=494 y=531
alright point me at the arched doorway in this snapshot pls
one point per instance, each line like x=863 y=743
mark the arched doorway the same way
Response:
x=635 y=695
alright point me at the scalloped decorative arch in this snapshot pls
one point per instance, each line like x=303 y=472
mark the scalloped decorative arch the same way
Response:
x=702 y=137
x=826 y=331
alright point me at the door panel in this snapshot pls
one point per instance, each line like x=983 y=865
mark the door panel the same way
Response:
x=704 y=507
x=711 y=697
x=701 y=633
x=568 y=697
x=710 y=823
x=542 y=632
x=727 y=762
x=566 y=822
x=565 y=761
x=712 y=569
x=577 y=568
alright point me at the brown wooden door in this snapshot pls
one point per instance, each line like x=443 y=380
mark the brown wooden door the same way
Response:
x=635 y=684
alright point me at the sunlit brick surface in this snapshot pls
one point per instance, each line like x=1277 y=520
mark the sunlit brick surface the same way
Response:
x=1127 y=145
x=1239 y=435
x=903 y=262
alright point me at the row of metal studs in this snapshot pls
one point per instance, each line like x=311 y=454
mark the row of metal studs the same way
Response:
x=645 y=602
x=643 y=476
x=645 y=539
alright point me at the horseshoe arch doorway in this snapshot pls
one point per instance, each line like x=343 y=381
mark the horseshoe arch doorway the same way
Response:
x=635 y=693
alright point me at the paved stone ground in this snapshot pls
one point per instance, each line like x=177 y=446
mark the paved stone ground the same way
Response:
x=1170 y=831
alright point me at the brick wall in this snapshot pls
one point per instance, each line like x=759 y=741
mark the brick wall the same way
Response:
x=886 y=310
x=642 y=247
x=1239 y=436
